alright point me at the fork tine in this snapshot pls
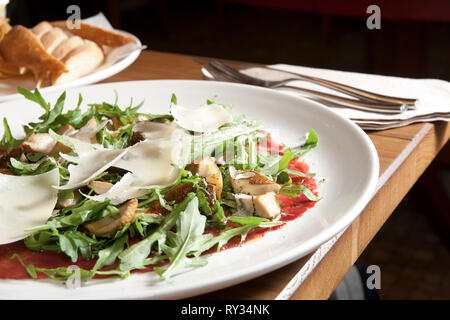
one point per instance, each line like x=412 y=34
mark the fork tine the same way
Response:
x=219 y=75
x=239 y=76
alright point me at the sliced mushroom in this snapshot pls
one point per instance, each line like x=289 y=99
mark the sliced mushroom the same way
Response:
x=208 y=169
x=64 y=130
x=110 y=225
x=244 y=205
x=68 y=202
x=266 y=205
x=116 y=123
x=136 y=137
x=14 y=153
x=252 y=182
x=263 y=205
x=39 y=143
x=180 y=192
x=88 y=132
x=100 y=187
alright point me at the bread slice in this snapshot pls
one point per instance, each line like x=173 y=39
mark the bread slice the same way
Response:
x=20 y=47
x=41 y=28
x=66 y=46
x=7 y=69
x=81 y=61
x=100 y=36
x=53 y=38
x=4 y=27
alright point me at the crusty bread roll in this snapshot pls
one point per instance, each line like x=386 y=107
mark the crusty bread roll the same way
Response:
x=51 y=39
x=21 y=48
x=100 y=36
x=66 y=46
x=41 y=28
x=81 y=61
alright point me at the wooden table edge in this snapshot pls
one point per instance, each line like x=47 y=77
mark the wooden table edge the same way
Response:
x=351 y=242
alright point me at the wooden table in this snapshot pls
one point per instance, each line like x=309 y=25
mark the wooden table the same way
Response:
x=404 y=155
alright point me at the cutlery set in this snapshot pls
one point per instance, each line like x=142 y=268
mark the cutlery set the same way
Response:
x=358 y=98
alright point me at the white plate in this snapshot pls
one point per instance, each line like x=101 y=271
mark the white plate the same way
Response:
x=96 y=76
x=345 y=157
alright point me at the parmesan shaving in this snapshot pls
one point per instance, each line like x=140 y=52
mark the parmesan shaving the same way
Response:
x=25 y=202
x=207 y=118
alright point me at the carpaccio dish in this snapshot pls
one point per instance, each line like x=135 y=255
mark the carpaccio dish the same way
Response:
x=115 y=191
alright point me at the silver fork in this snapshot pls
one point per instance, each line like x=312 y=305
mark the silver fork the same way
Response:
x=365 y=100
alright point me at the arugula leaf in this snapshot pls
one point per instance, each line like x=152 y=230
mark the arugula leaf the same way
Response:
x=222 y=238
x=203 y=203
x=185 y=241
x=72 y=242
x=8 y=142
x=247 y=220
x=275 y=164
x=219 y=214
x=34 y=157
x=120 y=140
x=63 y=273
x=300 y=174
x=162 y=201
x=150 y=218
x=36 y=97
x=28 y=169
x=268 y=164
x=83 y=212
x=45 y=241
x=108 y=255
x=310 y=143
x=287 y=157
x=134 y=256
x=294 y=190
x=51 y=114
x=173 y=99
x=260 y=222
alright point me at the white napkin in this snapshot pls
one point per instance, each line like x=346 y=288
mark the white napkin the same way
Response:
x=433 y=95
x=9 y=85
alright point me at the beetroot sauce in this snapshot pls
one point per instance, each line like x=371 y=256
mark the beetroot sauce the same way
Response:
x=291 y=208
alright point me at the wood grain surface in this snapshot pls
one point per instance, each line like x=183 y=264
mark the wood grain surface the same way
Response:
x=404 y=154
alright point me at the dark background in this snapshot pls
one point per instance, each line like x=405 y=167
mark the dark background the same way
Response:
x=413 y=40
x=411 y=249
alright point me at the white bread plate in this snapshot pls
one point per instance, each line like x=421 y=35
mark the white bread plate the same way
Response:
x=114 y=62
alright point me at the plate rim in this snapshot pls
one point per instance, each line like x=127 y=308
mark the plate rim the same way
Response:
x=286 y=257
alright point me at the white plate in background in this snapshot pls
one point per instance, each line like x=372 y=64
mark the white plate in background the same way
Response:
x=6 y=92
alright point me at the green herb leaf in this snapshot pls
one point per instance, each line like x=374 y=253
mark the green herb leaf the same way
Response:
x=8 y=142
x=300 y=174
x=294 y=190
x=108 y=255
x=311 y=143
x=185 y=241
x=29 y=169
x=134 y=256
x=173 y=99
